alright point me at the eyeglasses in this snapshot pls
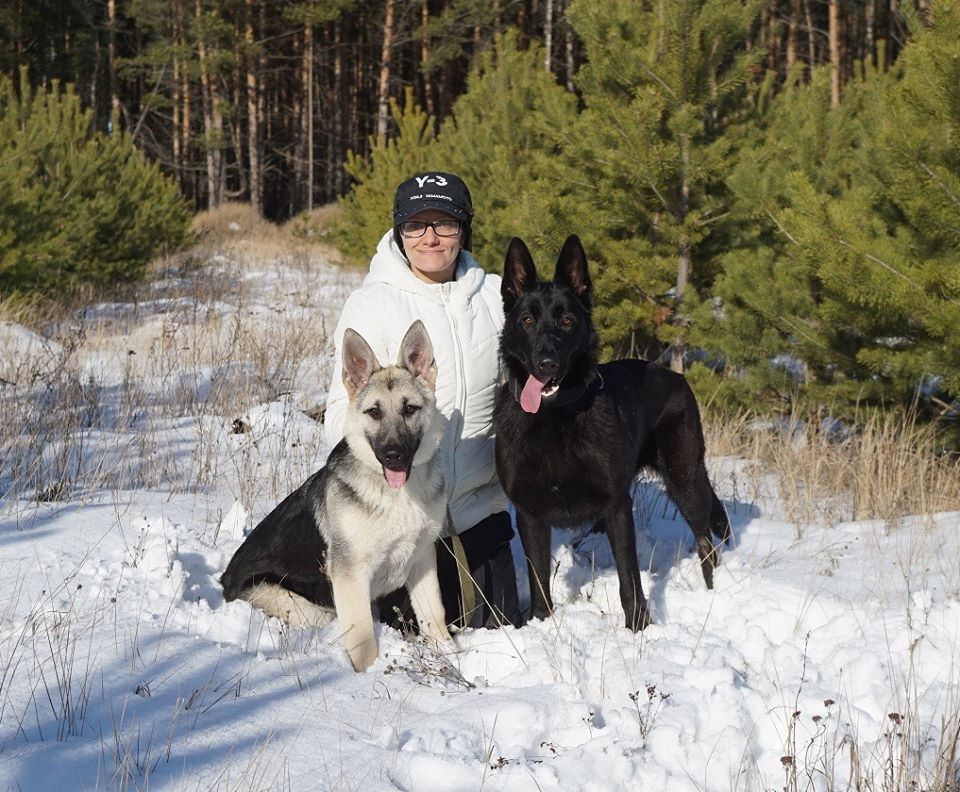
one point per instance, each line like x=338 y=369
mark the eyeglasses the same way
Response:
x=442 y=228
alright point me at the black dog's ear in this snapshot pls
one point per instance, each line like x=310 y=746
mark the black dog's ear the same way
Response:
x=571 y=271
x=519 y=273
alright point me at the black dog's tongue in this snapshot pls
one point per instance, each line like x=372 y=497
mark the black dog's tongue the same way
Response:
x=532 y=394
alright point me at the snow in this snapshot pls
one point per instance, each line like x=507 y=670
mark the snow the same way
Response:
x=822 y=652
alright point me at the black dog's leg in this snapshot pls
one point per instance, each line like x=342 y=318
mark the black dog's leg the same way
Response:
x=623 y=542
x=535 y=536
x=720 y=521
x=680 y=451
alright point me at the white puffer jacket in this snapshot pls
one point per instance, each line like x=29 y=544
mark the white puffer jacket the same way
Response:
x=464 y=319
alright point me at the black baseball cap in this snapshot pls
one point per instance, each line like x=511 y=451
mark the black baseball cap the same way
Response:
x=433 y=190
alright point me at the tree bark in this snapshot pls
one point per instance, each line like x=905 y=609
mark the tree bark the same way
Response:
x=835 y=52
x=339 y=133
x=383 y=85
x=684 y=256
x=811 y=37
x=308 y=106
x=212 y=120
x=294 y=121
x=176 y=131
x=792 y=34
x=253 y=110
x=425 y=56
x=548 y=35
x=869 y=32
x=112 y=59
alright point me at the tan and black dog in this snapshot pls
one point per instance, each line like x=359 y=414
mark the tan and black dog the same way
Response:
x=365 y=524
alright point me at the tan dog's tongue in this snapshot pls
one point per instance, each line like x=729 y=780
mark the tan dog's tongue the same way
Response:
x=531 y=394
x=395 y=478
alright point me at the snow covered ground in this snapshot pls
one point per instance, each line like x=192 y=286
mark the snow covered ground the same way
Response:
x=827 y=657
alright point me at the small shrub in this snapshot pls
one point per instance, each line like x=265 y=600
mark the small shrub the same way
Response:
x=76 y=206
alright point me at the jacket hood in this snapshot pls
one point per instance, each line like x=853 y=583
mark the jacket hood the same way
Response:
x=390 y=266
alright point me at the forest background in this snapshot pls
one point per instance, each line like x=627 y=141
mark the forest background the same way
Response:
x=768 y=191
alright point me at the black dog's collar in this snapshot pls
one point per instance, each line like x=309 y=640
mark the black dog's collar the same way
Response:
x=566 y=394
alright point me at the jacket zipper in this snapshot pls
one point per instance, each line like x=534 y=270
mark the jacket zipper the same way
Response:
x=445 y=290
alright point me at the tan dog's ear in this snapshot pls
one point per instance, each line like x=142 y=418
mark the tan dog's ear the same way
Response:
x=359 y=362
x=416 y=354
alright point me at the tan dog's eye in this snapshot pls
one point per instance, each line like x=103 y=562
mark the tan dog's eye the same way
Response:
x=375 y=412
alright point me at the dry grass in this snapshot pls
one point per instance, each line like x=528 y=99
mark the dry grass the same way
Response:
x=885 y=468
x=235 y=228
x=91 y=388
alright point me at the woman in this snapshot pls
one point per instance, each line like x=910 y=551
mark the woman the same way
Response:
x=422 y=270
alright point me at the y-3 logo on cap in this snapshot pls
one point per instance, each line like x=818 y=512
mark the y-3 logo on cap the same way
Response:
x=438 y=180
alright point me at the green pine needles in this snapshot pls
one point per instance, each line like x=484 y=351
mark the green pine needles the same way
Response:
x=845 y=282
x=76 y=207
x=810 y=254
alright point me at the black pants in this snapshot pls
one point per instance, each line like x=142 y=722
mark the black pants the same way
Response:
x=491 y=574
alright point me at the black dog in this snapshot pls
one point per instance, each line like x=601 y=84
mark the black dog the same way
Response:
x=572 y=434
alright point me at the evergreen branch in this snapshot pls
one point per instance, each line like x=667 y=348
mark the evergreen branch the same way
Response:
x=893 y=270
x=795 y=325
x=889 y=267
x=950 y=194
x=658 y=79
x=662 y=198
x=783 y=230
x=945 y=408
x=146 y=105
x=706 y=219
x=661 y=301
x=645 y=172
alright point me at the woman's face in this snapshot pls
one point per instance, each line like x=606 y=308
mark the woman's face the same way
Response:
x=432 y=258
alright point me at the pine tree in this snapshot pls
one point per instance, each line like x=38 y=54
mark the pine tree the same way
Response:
x=662 y=87
x=367 y=209
x=75 y=207
x=852 y=271
x=767 y=331
x=501 y=138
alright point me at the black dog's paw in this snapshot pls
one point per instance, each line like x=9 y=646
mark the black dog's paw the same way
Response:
x=640 y=620
x=709 y=559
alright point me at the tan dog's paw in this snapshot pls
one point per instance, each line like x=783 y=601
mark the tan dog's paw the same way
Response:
x=362 y=655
